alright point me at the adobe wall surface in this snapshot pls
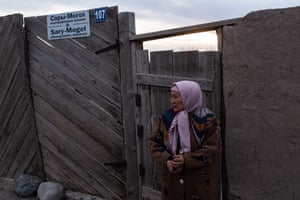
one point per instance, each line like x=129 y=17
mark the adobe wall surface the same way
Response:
x=261 y=57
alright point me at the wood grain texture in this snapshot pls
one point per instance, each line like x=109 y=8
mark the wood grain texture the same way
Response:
x=211 y=26
x=19 y=146
x=86 y=121
x=78 y=106
x=128 y=88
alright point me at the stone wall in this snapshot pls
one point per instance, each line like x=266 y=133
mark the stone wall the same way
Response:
x=261 y=60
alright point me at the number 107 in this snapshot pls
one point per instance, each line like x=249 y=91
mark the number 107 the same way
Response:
x=100 y=14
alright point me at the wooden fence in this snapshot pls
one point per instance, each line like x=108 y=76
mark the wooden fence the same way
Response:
x=19 y=147
x=95 y=102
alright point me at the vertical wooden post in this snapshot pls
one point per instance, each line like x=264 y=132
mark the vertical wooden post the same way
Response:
x=128 y=69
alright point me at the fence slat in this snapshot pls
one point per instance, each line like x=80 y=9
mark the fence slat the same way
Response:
x=166 y=81
x=19 y=146
x=142 y=120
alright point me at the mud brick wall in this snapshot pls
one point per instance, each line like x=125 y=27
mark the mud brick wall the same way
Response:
x=261 y=60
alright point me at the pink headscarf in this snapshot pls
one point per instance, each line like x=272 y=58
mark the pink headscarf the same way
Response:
x=191 y=96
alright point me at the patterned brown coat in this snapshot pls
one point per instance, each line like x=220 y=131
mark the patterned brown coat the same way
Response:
x=200 y=177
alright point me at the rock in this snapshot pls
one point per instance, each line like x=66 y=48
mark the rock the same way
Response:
x=50 y=191
x=26 y=185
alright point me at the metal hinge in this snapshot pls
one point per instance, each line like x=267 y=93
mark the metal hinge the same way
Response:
x=138 y=100
x=111 y=47
x=140 y=130
x=142 y=170
x=117 y=163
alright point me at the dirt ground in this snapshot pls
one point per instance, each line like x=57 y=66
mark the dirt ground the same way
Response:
x=7 y=193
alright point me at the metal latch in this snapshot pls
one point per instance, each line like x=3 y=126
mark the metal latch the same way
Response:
x=117 y=163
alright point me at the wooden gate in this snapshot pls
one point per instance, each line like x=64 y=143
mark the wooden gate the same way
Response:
x=77 y=98
x=153 y=80
x=81 y=129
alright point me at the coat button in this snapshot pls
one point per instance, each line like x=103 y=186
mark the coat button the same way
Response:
x=161 y=149
x=181 y=181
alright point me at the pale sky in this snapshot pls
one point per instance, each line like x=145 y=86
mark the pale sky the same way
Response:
x=155 y=15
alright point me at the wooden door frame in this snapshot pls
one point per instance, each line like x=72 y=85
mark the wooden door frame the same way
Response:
x=131 y=43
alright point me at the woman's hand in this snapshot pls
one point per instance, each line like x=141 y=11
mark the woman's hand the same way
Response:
x=176 y=165
x=178 y=161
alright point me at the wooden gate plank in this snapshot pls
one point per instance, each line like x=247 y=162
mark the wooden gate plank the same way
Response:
x=186 y=64
x=11 y=98
x=73 y=156
x=70 y=103
x=142 y=120
x=19 y=147
x=166 y=81
x=79 y=136
x=128 y=89
x=83 y=56
x=81 y=82
x=161 y=63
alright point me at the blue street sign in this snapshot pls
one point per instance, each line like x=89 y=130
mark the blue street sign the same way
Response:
x=100 y=14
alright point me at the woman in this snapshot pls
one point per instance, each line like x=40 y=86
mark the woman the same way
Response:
x=186 y=144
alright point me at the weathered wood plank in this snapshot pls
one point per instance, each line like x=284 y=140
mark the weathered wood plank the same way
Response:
x=74 y=108
x=75 y=133
x=207 y=62
x=78 y=100
x=142 y=120
x=73 y=156
x=209 y=65
x=107 y=30
x=127 y=61
x=166 y=81
x=17 y=142
x=94 y=89
x=71 y=50
x=19 y=147
x=11 y=98
x=104 y=34
x=186 y=64
x=10 y=63
x=26 y=156
x=161 y=62
x=9 y=66
x=160 y=96
x=184 y=30
x=73 y=96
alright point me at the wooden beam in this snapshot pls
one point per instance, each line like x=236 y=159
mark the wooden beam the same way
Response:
x=127 y=62
x=166 y=81
x=184 y=30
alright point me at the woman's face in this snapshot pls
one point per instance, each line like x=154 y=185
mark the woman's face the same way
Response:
x=176 y=101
